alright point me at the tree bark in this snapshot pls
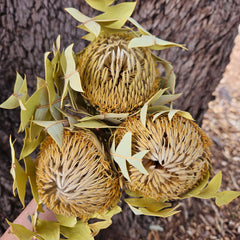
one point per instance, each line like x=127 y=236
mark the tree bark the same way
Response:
x=28 y=29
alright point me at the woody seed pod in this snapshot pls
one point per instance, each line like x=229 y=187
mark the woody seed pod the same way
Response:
x=76 y=179
x=177 y=160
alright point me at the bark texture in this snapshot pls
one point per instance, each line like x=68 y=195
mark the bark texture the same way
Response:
x=28 y=28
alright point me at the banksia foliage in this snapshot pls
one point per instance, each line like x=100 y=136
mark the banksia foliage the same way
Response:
x=76 y=179
x=177 y=160
x=117 y=78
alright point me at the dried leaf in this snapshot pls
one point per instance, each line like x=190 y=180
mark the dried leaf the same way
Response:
x=20 y=231
x=100 y=5
x=105 y=220
x=125 y=146
x=66 y=221
x=19 y=176
x=143 y=114
x=72 y=75
x=19 y=96
x=11 y=103
x=164 y=99
x=211 y=189
x=151 y=207
x=171 y=113
x=47 y=229
x=80 y=231
x=91 y=25
x=162 y=213
x=156 y=96
x=30 y=144
x=32 y=103
x=159 y=114
x=54 y=129
x=140 y=27
x=226 y=197
x=152 y=42
x=49 y=79
x=186 y=115
x=123 y=154
x=196 y=190
x=92 y=124
x=170 y=78
x=136 y=161
x=149 y=203
x=31 y=173
x=121 y=11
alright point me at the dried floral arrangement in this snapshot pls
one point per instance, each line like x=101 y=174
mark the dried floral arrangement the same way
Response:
x=102 y=123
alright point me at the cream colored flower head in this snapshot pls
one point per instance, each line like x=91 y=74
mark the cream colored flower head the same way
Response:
x=76 y=179
x=178 y=157
x=117 y=78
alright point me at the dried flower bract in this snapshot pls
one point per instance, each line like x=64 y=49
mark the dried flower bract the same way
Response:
x=76 y=179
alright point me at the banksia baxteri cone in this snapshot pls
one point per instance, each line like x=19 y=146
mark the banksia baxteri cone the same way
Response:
x=76 y=179
x=177 y=160
x=116 y=78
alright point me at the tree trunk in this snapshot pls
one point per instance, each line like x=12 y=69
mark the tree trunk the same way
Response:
x=28 y=29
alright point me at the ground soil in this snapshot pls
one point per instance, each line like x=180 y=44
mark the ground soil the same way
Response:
x=199 y=219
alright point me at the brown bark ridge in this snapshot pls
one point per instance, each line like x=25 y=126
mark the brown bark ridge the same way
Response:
x=28 y=28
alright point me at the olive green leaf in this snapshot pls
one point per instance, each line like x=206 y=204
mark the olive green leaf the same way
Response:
x=93 y=124
x=121 y=11
x=197 y=189
x=48 y=230
x=162 y=213
x=31 y=141
x=20 y=231
x=19 y=96
x=152 y=42
x=19 y=176
x=151 y=207
x=81 y=231
x=100 y=5
x=164 y=99
x=144 y=109
x=149 y=203
x=143 y=114
x=115 y=118
x=169 y=80
x=186 y=115
x=211 y=189
x=42 y=110
x=66 y=221
x=140 y=27
x=31 y=105
x=89 y=23
x=105 y=220
x=158 y=109
x=226 y=197
x=159 y=114
x=123 y=154
x=72 y=74
x=171 y=113
x=49 y=78
x=54 y=129
x=56 y=48
x=31 y=173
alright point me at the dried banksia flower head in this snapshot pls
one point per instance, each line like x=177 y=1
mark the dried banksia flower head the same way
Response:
x=117 y=78
x=76 y=179
x=178 y=157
